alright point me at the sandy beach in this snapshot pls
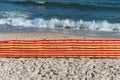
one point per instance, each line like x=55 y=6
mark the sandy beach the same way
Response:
x=56 y=68
x=48 y=36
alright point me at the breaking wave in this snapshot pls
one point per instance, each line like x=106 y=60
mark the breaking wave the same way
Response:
x=18 y=19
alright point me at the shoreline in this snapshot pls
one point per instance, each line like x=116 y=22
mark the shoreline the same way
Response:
x=56 y=68
x=48 y=36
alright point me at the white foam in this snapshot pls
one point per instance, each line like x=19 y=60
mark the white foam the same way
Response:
x=14 y=14
x=14 y=20
x=40 y=2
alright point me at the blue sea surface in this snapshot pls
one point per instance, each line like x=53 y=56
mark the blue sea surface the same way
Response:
x=76 y=16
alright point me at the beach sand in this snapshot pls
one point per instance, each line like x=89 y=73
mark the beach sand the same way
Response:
x=56 y=68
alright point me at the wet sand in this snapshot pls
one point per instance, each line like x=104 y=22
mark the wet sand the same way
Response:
x=56 y=68
x=48 y=36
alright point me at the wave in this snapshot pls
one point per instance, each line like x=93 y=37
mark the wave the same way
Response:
x=20 y=19
x=63 y=24
x=66 y=4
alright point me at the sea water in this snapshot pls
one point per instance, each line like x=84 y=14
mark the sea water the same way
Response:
x=95 y=17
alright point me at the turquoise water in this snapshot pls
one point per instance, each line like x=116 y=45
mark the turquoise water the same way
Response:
x=79 y=15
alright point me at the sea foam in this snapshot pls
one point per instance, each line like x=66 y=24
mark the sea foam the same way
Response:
x=21 y=19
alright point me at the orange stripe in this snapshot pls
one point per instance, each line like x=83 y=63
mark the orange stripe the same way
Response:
x=62 y=41
x=60 y=48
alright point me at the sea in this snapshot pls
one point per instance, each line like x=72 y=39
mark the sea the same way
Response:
x=87 y=17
